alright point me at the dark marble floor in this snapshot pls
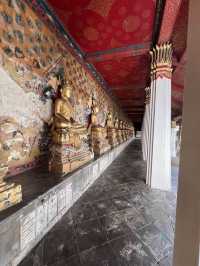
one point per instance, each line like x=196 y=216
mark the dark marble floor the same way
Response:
x=117 y=222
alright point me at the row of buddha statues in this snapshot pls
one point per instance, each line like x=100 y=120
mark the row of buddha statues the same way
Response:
x=74 y=144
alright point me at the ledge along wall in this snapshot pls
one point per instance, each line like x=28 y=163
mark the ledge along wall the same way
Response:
x=30 y=54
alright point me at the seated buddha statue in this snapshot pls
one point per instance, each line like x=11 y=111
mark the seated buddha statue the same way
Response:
x=65 y=129
x=70 y=148
x=95 y=111
x=123 y=131
x=109 y=121
x=118 y=130
x=116 y=123
x=111 y=131
x=99 y=136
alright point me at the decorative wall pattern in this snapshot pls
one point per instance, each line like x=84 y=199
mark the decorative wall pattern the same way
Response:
x=32 y=60
x=103 y=24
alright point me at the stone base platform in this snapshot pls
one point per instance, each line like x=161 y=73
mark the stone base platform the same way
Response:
x=62 y=168
x=46 y=198
x=101 y=150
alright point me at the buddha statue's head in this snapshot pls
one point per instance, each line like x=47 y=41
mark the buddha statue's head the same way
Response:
x=66 y=91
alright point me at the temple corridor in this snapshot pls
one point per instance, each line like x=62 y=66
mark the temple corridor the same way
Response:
x=118 y=221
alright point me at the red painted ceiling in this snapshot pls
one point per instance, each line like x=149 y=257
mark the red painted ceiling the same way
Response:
x=116 y=35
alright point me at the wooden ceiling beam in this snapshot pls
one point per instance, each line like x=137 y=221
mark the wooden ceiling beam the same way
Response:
x=120 y=52
x=171 y=11
x=160 y=6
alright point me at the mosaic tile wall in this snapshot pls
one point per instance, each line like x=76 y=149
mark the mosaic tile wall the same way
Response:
x=31 y=60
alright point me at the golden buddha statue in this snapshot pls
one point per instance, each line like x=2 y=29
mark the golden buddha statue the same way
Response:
x=70 y=148
x=116 y=123
x=65 y=129
x=111 y=131
x=123 y=131
x=109 y=121
x=118 y=130
x=99 y=136
x=95 y=111
x=126 y=130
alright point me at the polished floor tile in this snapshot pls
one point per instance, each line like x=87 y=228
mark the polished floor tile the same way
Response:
x=82 y=212
x=100 y=256
x=155 y=240
x=90 y=234
x=131 y=251
x=114 y=225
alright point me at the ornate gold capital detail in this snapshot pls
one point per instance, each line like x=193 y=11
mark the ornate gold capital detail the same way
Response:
x=161 y=61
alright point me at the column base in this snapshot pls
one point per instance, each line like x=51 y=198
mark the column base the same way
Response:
x=164 y=188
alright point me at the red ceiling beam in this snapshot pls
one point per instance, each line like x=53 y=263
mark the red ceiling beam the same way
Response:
x=130 y=86
x=121 y=52
x=177 y=87
x=181 y=63
x=171 y=11
x=179 y=70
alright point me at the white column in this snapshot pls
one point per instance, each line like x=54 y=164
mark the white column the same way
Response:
x=159 y=154
x=144 y=137
x=174 y=130
x=187 y=232
x=145 y=125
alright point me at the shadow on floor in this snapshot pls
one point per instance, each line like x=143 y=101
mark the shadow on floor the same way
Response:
x=117 y=222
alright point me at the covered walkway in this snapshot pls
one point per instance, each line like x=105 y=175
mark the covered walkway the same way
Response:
x=118 y=221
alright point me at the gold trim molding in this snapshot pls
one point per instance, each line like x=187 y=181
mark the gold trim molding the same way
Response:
x=161 y=61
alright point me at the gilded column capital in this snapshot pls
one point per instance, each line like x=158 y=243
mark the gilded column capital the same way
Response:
x=161 y=61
